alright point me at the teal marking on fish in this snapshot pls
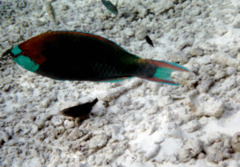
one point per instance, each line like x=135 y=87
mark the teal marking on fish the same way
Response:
x=26 y=63
x=16 y=50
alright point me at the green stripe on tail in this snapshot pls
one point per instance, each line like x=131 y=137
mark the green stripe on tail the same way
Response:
x=164 y=70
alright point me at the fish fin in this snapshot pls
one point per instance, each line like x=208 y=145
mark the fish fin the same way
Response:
x=113 y=9
x=117 y=79
x=164 y=70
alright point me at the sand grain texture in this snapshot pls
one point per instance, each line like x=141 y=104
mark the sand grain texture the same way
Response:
x=136 y=122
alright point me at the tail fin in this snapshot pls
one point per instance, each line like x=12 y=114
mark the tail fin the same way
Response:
x=164 y=70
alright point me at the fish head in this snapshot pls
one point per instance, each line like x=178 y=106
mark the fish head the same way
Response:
x=22 y=59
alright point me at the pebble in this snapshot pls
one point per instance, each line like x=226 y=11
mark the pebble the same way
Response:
x=237 y=25
x=231 y=71
x=218 y=148
x=152 y=152
x=235 y=142
x=190 y=150
x=75 y=134
x=141 y=33
x=34 y=129
x=4 y=137
x=193 y=126
x=69 y=124
x=45 y=103
x=206 y=105
x=204 y=60
x=98 y=141
x=196 y=51
x=57 y=121
x=22 y=4
x=224 y=59
x=162 y=6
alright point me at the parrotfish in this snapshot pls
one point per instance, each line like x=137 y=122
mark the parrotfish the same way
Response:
x=113 y=9
x=70 y=55
x=80 y=111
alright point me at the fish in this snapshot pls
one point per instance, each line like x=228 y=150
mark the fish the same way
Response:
x=71 y=55
x=113 y=9
x=80 y=111
x=149 y=41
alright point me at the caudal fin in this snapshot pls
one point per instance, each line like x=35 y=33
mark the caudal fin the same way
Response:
x=164 y=70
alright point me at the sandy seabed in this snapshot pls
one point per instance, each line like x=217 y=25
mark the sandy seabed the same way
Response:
x=136 y=122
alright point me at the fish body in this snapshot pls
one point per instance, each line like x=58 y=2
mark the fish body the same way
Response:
x=112 y=8
x=68 y=55
x=79 y=111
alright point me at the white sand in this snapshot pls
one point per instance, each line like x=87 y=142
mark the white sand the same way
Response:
x=136 y=122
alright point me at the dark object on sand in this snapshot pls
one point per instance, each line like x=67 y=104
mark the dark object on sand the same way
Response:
x=149 y=41
x=80 y=111
x=112 y=8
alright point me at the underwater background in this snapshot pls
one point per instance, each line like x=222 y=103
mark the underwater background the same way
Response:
x=135 y=122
